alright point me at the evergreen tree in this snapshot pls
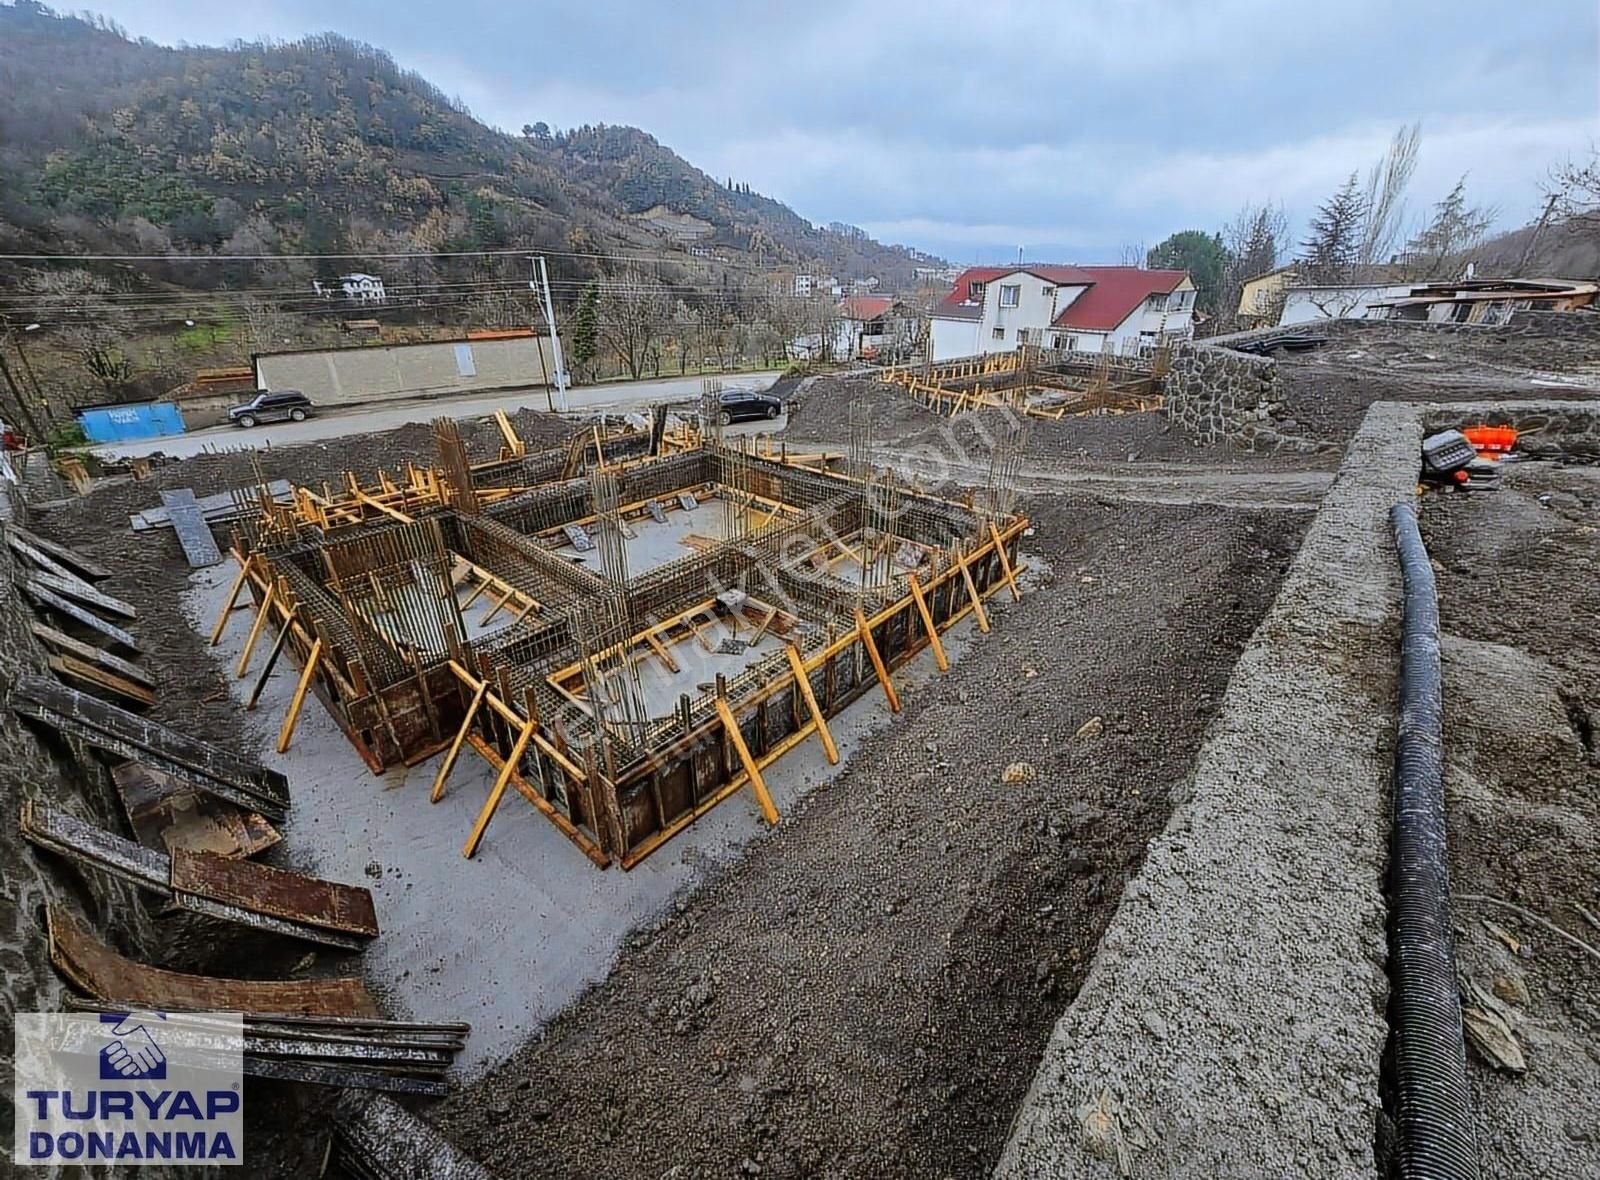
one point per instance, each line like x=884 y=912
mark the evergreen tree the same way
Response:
x=1455 y=228
x=586 y=328
x=1330 y=253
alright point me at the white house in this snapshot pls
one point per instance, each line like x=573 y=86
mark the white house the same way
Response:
x=867 y=326
x=362 y=288
x=1084 y=308
x=803 y=285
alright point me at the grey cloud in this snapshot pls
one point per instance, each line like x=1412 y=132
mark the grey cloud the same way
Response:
x=1088 y=125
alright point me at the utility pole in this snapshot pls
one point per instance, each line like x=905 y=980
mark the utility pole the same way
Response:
x=555 y=339
x=23 y=412
x=1533 y=239
x=27 y=367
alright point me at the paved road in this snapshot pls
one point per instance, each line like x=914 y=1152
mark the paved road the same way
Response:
x=366 y=419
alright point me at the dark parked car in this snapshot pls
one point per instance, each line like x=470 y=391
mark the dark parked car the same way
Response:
x=284 y=405
x=743 y=405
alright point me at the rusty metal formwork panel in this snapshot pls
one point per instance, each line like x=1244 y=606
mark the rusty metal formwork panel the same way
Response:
x=96 y=969
x=275 y=892
x=204 y=766
x=235 y=890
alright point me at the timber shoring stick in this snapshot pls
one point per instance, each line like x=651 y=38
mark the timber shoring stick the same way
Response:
x=802 y=681
x=272 y=658
x=751 y=769
x=445 y=767
x=1005 y=563
x=865 y=633
x=233 y=597
x=286 y=735
x=243 y=665
x=497 y=792
x=927 y=621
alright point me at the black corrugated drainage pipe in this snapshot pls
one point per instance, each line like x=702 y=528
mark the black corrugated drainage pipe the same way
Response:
x=1437 y=1136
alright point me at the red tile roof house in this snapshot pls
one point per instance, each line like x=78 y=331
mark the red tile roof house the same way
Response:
x=866 y=326
x=996 y=308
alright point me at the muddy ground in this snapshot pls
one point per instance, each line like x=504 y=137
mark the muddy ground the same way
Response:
x=821 y=414
x=867 y=992
x=1519 y=590
x=1328 y=390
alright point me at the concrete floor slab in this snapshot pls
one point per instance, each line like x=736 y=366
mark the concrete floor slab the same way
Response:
x=508 y=939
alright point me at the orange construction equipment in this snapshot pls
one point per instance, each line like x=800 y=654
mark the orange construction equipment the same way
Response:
x=1491 y=442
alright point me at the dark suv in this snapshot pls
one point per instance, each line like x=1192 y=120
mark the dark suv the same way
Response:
x=284 y=405
x=742 y=405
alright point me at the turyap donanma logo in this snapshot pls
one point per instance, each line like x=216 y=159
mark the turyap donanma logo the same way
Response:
x=129 y=1088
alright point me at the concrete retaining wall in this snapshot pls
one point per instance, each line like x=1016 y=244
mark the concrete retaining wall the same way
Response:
x=1232 y=1023
x=339 y=376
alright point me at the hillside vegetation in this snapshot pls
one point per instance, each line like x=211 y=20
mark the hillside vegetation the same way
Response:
x=326 y=145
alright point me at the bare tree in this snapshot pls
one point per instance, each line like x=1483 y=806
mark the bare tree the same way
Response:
x=267 y=324
x=1258 y=242
x=1384 y=199
x=634 y=310
x=1455 y=228
x=94 y=325
x=1576 y=189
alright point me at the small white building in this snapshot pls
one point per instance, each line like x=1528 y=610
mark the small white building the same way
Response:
x=803 y=285
x=1303 y=304
x=359 y=288
x=1081 y=308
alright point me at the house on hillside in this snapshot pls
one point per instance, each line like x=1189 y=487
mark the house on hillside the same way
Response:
x=866 y=327
x=875 y=326
x=1082 y=308
x=359 y=288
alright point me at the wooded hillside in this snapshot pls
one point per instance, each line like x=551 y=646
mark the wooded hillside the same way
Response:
x=326 y=145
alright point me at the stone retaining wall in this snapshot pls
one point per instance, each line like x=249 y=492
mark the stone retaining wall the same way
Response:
x=1218 y=395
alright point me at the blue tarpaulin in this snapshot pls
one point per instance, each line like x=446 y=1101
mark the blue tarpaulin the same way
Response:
x=110 y=424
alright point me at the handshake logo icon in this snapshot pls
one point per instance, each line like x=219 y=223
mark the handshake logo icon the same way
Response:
x=132 y=1053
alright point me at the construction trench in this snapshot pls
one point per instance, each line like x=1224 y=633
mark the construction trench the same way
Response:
x=1098 y=892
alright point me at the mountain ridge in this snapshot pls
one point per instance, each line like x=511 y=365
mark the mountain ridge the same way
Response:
x=326 y=145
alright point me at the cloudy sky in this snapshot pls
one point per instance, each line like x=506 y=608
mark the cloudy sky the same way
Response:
x=1069 y=128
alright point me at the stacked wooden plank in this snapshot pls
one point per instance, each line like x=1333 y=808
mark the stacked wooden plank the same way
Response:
x=59 y=580
x=240 y=891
